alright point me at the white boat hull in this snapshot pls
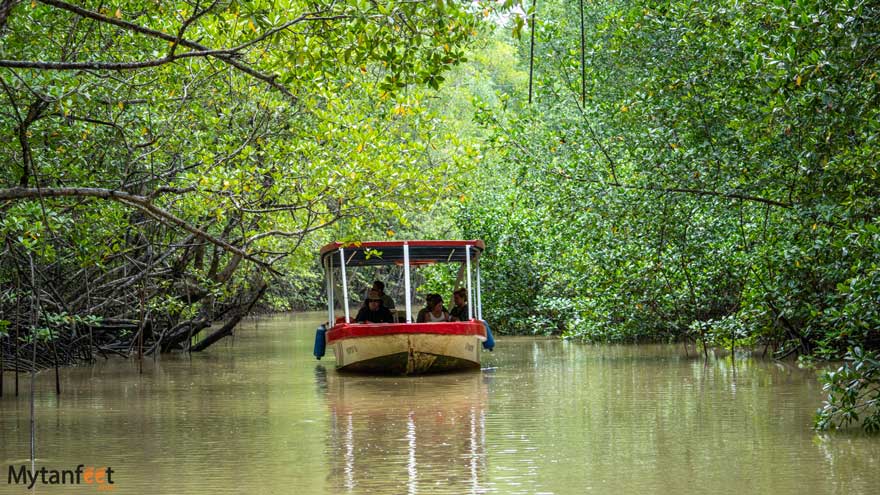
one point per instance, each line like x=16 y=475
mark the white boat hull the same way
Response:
x=408 y=353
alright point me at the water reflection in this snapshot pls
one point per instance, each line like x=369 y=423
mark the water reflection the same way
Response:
x=543 y=416
x=417 y=434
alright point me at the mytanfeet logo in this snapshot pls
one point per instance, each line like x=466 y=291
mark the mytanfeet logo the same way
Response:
x=101 y=477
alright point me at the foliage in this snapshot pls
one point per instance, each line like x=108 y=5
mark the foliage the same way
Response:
x=853 y=393
x=170 y=162
x=715 y=179
x=700 y=171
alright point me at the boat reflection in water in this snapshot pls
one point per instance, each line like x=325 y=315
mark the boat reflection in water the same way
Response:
x=406 y=435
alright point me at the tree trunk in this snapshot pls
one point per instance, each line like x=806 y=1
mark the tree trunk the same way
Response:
x=227 y=327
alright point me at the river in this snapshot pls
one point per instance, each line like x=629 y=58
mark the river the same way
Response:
x=259 y=415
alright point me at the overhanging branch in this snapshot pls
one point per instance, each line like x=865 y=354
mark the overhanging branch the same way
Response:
x=680 y=190
x=140 y=202
x=230 y=59
x=117 y=66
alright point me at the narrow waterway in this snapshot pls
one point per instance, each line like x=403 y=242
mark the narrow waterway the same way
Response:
x=260 y=415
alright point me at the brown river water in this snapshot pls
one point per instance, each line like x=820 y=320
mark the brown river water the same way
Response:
x=259 y=415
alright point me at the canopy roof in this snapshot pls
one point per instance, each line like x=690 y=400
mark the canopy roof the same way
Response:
x=370 y=253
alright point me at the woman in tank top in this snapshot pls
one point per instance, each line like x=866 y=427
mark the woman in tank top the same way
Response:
x=436 y=311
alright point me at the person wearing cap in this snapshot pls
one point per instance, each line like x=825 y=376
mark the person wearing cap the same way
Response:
x=373 y=311
x=459 y=312
x=379 y=287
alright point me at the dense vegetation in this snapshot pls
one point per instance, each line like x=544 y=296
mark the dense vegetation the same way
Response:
x=665 y=170
x=165 y=163
x=710 y=172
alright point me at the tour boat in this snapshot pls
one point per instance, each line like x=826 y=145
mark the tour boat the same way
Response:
x=403 y=347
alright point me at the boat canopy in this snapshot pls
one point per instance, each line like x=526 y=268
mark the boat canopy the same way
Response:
x=374 y=253
x=338 y=256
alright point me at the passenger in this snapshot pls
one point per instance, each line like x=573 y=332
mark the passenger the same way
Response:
x=436 y=312
x=460 y=311
x=373 y=311
x=379 y=286
x=420 y=317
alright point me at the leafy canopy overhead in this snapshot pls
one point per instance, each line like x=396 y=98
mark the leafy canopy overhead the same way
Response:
x=179 y=151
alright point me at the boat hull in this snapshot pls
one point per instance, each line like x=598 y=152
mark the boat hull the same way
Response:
x=407 y=348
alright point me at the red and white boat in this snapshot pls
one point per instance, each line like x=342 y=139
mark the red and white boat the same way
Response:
x=405 y=347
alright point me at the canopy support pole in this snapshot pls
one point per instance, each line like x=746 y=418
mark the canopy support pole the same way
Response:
x=406 y=287
x=467 y=252
x=344 y=284
x=328 y=267
x=479 y=293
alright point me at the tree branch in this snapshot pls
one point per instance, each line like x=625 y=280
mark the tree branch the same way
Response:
x=117 y=66
x=683 y=190
x=230 y=325
x=227 y=58
x=141 y=202
x=6 y=7
x=281 y=233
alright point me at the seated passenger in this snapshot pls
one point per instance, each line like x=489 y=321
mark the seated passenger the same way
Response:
x=420 y=317
x=435 y=310
x=373 y=311
x=379 y=286
x=460 y=311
